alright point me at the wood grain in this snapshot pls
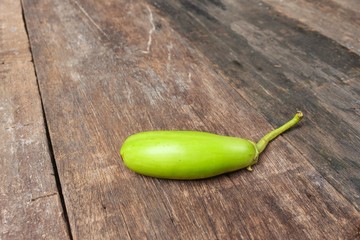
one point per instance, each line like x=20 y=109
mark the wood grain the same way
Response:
x=278 y=64
x=335 y=19
x=29 y=202
x=112 y=68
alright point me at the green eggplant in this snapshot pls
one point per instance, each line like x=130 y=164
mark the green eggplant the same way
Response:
x=186 y=155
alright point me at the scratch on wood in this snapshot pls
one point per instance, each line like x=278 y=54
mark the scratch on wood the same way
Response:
x=18 y=126
x=44 y=196
x=91 y=20
x=266 y=91
x=169 y=48
x=152 y=29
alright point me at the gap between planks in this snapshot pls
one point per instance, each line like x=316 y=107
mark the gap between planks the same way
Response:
x=48 y=138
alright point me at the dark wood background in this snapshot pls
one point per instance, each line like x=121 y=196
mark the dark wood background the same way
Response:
x=79 y=76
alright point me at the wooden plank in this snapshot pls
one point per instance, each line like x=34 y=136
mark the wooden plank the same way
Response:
x=336 y=19
x=277 y=65
x=29 y=203
x=108 y=69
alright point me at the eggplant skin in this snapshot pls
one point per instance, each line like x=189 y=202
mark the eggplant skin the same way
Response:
x=186 y=154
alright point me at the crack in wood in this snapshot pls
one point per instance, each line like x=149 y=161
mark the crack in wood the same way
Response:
x=44 y=196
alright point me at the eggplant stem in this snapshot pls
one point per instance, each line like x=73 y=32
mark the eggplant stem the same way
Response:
x=261 y=145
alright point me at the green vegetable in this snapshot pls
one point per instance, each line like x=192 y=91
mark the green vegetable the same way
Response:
x=193 y=155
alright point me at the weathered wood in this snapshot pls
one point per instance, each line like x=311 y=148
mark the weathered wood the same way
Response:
x=277 y=64
x=29 y=203
x=336 y=19
x=111 y=68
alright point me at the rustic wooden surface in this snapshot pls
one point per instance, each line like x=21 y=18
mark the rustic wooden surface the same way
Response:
x=107 y=69
x=30 y=207
x=336 y=19
x=277 y=64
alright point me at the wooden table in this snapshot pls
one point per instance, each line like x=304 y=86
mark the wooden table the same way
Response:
x=77 y=77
